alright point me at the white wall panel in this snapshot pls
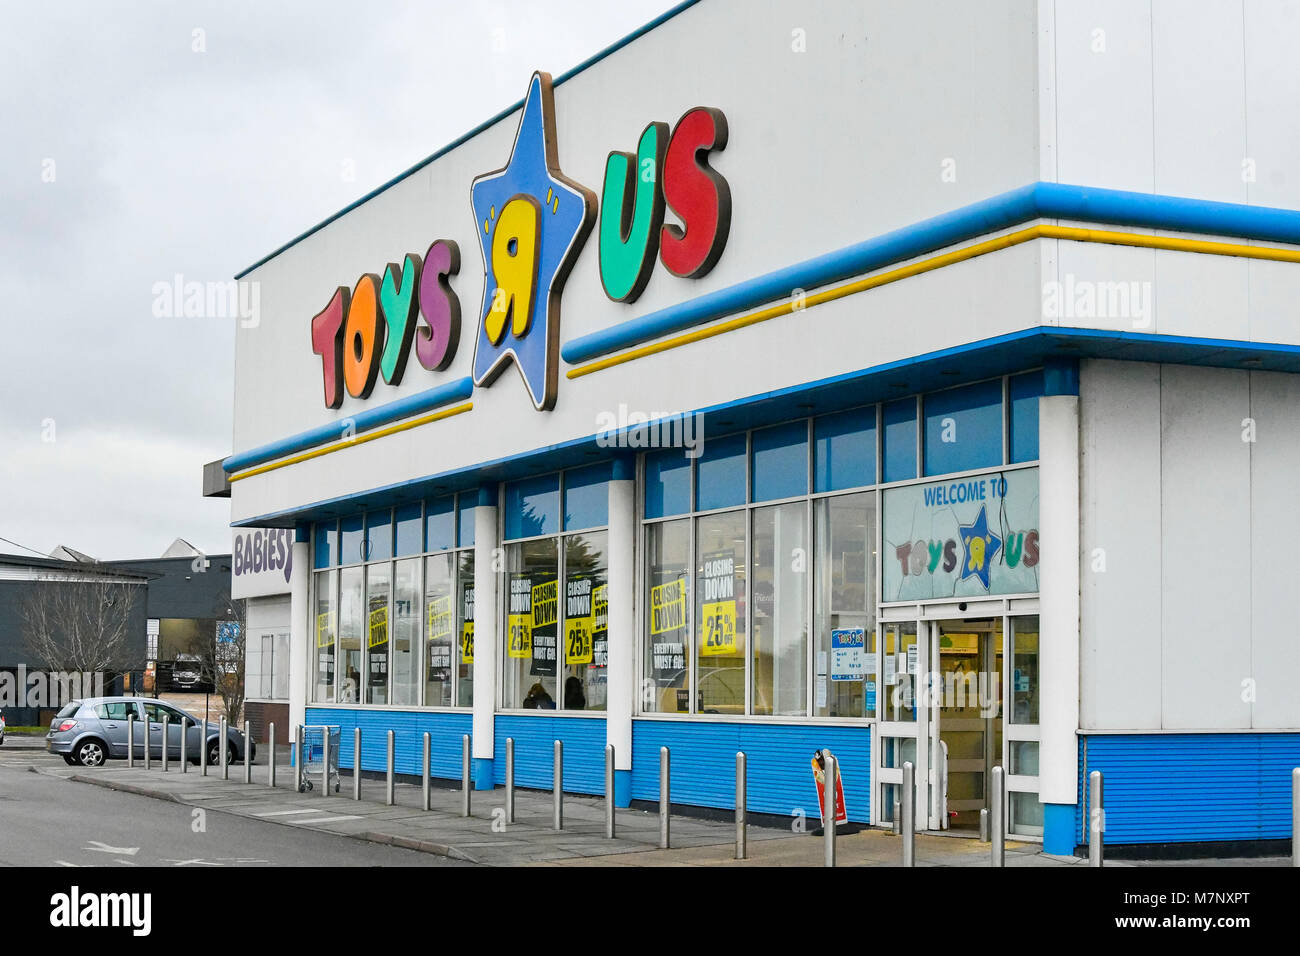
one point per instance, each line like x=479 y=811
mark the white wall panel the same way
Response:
x=1120 y=647
x=1275 y=530
x=1205 y=519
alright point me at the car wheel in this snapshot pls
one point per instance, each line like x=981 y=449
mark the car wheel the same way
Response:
x=214 y=753
x=70 y=760
x=91 y=753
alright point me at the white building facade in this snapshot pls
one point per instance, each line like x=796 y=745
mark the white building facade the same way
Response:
x=912 y=380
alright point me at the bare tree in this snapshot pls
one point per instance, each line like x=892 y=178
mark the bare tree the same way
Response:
x=221 y=657
x=81 y=622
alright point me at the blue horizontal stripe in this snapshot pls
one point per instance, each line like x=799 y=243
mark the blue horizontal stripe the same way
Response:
x=371 y=418
x=1206 y=787
x=1035 y=201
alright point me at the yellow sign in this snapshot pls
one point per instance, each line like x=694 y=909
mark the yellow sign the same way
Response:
x=719 y=629
x=439 y=618
x=325 y=629
x=379 y=626
x=600 y=608
x=467 y=643
x=578 y=641
x=545 y=603
x=668 y=606
x=519 y=632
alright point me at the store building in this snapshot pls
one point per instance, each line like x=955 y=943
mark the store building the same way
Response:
x=261 y=562
x=923 y=387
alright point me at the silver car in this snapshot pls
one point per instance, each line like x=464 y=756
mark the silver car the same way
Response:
x=90 y=731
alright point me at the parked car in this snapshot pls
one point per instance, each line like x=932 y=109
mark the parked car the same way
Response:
x=187 y=673
x=91 y=731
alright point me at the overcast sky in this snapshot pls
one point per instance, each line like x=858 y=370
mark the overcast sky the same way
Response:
x=128 y=156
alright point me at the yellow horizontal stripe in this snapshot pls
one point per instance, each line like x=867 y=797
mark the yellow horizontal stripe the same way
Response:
x=351 y=442
x=938 y=262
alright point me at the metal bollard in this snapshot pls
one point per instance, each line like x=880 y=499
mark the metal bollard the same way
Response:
x=908 y=822
x=998 y=818
x=147 y=730
x=984 y=824
x=510 y=780
x=896 y=824
x=298 y=775
x=609 y=791
x=325 y=761
x=425 y=783
x=388 y=780
x=203 y=748
x=356 y=763
x=665 y=796
x=1096 y=818
x=1295 y=817
x=130 y=741
x=223 y=754
x=166 y=722
x=465 y=782
x=742 y=799
x=828 y=814
x=270 y=757
x=185 y=745
x=248 y=759
x=557 y=782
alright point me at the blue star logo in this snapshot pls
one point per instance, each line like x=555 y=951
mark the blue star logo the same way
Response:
x=532 y=222
x=981 y=545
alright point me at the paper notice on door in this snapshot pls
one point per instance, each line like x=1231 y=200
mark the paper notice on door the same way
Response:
x=911 y=658
x=891 y=675
x=821 y=692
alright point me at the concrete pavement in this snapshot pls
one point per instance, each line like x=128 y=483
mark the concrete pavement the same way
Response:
x=486 y=838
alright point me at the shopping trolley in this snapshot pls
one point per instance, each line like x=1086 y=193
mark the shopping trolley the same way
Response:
x=313 y=755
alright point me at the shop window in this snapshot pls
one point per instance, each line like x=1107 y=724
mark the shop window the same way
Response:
x=351 y=536
x=585 y=602
x=898 y=672
x=586 y=497
x=465 y=520
x=407 y=539
x=779 y=592
x=963 y=428
x=1024 y=674
x=533 y=507
x=1023 y=432
x=844 y=453
x=845 y=679
x=327 y=545
x=667 y=483
x=351 y=633
x=404 y=633
x=465 y=627
x=439 y=617
x=668 y=618
x=532 y=618
x=280 y=667
x=780 y=462
x=379 y=535
x=378 y=631
x=720 y=473
x=326 y=619
x=720 y=639
x=900 y=440
x=439 y=524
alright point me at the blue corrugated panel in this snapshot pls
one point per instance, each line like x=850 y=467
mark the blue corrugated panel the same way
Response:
x=535 y=736
x=1173 y=788
x=445 y=729
x=778 y=757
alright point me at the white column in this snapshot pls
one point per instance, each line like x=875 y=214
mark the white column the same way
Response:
x=621 y=671
x=1058 y=585
x=487 y=637
x=300 y=634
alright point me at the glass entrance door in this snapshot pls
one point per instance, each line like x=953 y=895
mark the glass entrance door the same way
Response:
x=966 y=718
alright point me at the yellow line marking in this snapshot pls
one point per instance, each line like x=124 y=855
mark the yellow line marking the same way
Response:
x=358 y=440
x=1043 y=231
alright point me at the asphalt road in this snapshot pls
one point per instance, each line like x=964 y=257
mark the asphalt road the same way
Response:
x=48 y=821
